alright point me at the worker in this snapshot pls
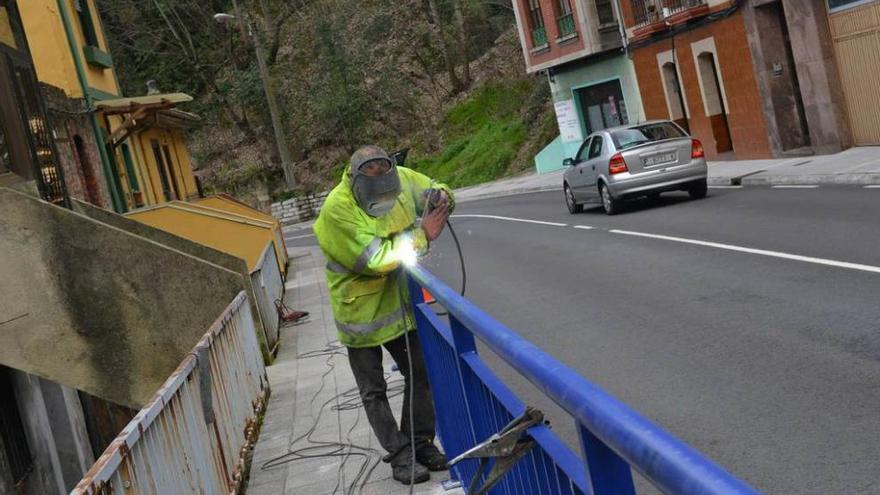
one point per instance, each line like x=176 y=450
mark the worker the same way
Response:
x=366 y=226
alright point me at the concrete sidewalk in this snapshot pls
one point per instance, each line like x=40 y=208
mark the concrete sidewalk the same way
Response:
x=315 y=437
x=855 y=166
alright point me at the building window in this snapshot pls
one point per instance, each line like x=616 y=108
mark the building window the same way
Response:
x=12 y=430
x=605 y=12
x=85 y=21
x=834 y=5
x=163 y=175
x=536 y=21
x=564 y=18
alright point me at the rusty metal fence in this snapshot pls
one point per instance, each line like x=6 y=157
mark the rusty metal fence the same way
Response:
x=193 y=436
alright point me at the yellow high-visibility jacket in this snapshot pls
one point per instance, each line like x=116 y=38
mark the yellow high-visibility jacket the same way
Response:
x=363 y=257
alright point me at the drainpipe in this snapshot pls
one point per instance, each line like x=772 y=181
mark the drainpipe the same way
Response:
x=112 y=177
x=618 y=13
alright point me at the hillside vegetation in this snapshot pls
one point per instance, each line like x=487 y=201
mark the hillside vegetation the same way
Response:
x=442 y=77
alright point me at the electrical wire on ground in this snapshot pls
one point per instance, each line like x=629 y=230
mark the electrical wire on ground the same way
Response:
x=328 y=449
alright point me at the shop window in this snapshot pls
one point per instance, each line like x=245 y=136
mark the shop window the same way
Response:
x=602 y=106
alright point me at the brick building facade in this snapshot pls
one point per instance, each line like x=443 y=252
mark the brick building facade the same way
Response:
x=750 y=78
x=77 y=150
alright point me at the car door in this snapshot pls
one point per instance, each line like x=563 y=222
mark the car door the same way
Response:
x=589 y=173
x=576 y=175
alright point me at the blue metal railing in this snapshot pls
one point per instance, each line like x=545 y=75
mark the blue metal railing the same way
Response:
x=473 y=403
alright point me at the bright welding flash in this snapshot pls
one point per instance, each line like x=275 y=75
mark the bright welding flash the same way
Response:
x=406 y=253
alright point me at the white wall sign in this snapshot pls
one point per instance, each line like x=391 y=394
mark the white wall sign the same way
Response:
x=569 y=124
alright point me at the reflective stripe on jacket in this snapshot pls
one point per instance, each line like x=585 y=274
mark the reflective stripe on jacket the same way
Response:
x=363 y=259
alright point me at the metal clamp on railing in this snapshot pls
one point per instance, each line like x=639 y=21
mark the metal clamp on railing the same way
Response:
x=507 y=447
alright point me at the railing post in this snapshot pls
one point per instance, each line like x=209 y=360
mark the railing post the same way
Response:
x=444 y=376
x=607 y=472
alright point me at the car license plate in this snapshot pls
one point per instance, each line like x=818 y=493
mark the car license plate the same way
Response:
x=659 y=159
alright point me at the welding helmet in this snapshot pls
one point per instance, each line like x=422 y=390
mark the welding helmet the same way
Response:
x=375 y=194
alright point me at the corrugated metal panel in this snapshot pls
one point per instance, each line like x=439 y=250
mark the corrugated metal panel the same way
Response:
x=268 y=287
x=856 y=34
x=193 y=436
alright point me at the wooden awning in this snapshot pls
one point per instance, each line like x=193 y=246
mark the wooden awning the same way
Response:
x=144 y=112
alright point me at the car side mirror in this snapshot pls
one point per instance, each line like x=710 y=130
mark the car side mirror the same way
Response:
x=568 y=162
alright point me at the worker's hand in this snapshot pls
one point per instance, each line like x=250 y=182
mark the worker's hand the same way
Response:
x=433 y=222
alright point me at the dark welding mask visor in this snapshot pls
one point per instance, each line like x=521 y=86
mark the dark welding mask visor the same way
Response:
x=377 y=194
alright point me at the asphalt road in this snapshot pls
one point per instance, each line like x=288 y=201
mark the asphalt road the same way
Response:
x=751 y=330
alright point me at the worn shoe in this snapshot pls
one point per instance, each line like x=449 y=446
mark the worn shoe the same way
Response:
x=431 y=457
x=405 y=474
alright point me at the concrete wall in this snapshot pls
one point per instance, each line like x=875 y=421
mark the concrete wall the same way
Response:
x=191 y=248
x=99 y=309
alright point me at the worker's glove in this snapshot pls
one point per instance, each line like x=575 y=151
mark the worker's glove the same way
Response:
x=434 y=198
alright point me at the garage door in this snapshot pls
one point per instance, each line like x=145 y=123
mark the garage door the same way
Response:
x=856 y=34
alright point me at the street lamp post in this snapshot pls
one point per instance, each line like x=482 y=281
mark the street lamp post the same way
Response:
x=274 y=113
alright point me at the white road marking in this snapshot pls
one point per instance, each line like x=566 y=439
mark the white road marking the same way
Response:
x=299 y=237
x=874 y=186
x=761 y=252
x=725 y=187
x=796 y=186
x=511 y=219
x=583 y=227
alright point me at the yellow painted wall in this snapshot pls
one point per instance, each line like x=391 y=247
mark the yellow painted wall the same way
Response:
x=53 y=61
x=219 y=203
x=48 y=43
x=224 y=233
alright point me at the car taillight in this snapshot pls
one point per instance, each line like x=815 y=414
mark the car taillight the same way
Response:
x=697 y=149
x=617 y=165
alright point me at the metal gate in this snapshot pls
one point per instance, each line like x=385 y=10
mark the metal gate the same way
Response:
x=856 y=35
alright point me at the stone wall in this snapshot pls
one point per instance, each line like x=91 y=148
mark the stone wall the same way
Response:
x=298 y=210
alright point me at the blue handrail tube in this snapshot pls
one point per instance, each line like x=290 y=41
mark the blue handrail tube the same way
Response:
x=668 y=463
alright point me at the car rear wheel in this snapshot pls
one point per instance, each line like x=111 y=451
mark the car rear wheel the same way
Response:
x=572 y=204
x=698 y=189
x=611 y=205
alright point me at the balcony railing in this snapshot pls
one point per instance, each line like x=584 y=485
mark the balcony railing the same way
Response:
x=539 y=37
x=650 y=11
x=566 y=25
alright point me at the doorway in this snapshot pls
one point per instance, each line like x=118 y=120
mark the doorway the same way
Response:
x=713 y=97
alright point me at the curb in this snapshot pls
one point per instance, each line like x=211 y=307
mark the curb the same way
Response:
x=754 y=179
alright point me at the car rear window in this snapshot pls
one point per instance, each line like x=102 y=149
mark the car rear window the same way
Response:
x=648 y=133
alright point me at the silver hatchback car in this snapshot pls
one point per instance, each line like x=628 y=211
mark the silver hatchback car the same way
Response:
x=625 y=162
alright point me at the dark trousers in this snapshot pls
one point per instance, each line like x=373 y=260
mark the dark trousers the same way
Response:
x=366 y=364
